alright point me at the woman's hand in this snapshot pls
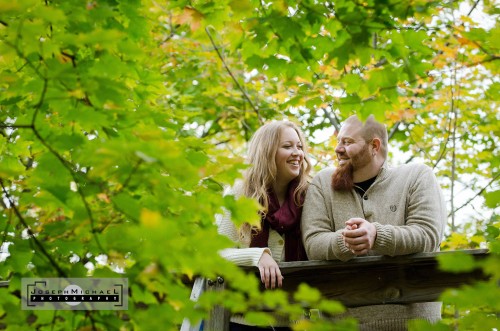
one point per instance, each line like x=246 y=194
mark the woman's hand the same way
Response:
x=270 y=273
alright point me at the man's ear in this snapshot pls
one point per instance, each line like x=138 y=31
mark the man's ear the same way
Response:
x=376 y=143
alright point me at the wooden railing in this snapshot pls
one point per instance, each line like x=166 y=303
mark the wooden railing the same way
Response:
x=361 y=281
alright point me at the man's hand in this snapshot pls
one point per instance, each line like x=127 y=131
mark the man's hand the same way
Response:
x=270 y=273
x=359 y=235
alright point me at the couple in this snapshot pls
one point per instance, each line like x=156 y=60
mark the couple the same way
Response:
x=363 y=207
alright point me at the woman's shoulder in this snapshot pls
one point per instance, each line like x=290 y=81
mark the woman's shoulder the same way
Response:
x=236 y=189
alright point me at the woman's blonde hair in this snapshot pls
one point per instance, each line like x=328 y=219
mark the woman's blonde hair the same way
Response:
x=262 y=173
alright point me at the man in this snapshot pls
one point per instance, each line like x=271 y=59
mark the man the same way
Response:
x=365 y=207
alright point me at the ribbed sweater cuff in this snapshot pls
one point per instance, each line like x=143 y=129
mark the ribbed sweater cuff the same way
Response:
x=341 y=252
x=244 y=256
x=383 y=240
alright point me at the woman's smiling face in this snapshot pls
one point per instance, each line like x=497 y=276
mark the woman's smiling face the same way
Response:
x=289 y=156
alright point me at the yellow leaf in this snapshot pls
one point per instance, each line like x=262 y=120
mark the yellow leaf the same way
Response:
x=176 y=304
x=78 y=93
x=464 y=41
x=150 y=219
x=281 y=97
x=301 y=80
x=188 y=272
x=7 y=6
x=302 y=325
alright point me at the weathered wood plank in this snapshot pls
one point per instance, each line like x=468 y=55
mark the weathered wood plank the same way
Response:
x=378 y=279
x=219 y=317
x=198 y=289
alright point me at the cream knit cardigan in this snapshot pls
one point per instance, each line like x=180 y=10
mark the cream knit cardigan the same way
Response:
x=249 y=256
x=408 y=210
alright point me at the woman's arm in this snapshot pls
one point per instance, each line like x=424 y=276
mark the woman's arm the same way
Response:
x=260 y=257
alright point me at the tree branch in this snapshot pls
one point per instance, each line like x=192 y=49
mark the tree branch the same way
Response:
x=37 y=107
x=233 y=77
x=393 y=130
x=473 y=7
x=478 y=194
x=30 y=233
x=453 y=157
x=77 y=182
x=129 y=177
x=416 y=144
x=442 y=153
x=333 y=121
x=491 y=59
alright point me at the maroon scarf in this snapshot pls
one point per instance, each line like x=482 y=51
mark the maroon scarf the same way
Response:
x=286 y=221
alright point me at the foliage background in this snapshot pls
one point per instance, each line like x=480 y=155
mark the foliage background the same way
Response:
x=122 y=121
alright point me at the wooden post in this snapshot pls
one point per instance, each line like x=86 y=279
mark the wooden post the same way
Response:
x=219 y=317
x=198 y=289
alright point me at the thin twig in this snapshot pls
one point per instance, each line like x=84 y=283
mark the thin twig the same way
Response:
x=67 y=165
x=129 y=177
x=30 y=233
x=450 y=123
x=333 y=121
x=491 y=59
x=477 y=194
x=40 y=102
x=473 y=7
x=454 y=109
x=233 y=77
x=37 y=107
x=419 y=147
x=393 y=130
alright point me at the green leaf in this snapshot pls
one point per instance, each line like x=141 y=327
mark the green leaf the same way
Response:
x=21 y=254
x=259 y=318
x=307 y=294
x=456 y=262
x=10 y=166
x=492 y=199
x=352 y=83
x=197 y=158
x=242 y=210
x=127 y=204
x=331 y=307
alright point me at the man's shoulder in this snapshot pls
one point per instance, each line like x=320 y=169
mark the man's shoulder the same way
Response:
x=409 y=169
x=323 y=177
x=324 y=174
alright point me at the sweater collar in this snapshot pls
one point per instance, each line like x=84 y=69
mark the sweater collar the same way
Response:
x=383 y=172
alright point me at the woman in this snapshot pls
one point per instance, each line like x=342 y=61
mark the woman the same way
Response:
x=277 y=178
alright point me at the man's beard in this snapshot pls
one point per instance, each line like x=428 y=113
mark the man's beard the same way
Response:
x=342 y=178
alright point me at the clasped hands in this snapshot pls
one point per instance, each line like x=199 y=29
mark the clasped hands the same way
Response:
x=359 y=235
